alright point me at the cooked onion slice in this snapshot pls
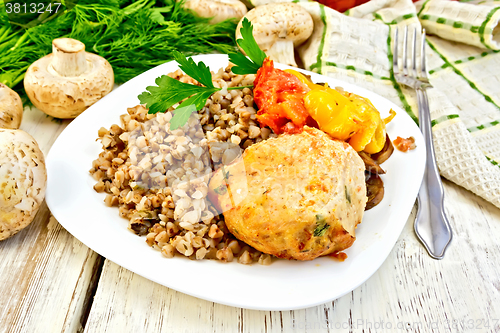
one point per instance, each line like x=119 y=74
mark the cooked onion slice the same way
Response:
x=374 y=190
x=385 y=153
x=370 y=164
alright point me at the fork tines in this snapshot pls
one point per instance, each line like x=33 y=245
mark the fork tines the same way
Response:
x=412 y=71
x=413 y=68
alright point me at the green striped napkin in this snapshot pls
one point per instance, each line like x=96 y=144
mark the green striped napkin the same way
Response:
x=472 y=23
x=463 y=63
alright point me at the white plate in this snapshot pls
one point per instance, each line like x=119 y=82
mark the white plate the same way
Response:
x=284 y=285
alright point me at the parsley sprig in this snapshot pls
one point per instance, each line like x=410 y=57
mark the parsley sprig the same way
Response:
x=249 y=45
x=181 y=116
x=200 y=72
x=169 y=91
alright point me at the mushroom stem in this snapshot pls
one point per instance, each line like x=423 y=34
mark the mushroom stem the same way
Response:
x=69 y=57
x=282 y=51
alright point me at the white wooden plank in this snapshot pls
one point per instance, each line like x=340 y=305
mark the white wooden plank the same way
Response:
x=45 y=274
x=411 y=292
x=42 y=127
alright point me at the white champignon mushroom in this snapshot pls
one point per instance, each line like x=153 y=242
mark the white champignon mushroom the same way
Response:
x=11 y=108
x=278 y=28
x=218 y=10
x=23 y=179
x=66 y=82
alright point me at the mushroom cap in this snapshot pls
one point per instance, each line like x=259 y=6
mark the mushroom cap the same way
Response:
x=23 y=179
x=11 y=108
x=279 y=22
x=67 y=96
x=219 y=10
x=257 y=3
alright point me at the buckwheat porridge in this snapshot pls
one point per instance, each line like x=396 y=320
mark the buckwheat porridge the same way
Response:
x=158 y=178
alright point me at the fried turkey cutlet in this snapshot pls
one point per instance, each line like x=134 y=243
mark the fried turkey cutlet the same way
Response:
x=297 y=196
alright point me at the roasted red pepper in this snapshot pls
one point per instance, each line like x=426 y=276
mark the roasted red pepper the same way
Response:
x=279 y=95
x=342 y=5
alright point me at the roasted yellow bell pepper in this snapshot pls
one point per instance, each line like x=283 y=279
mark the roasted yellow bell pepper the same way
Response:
x=371 y=138
x=332 y=112
x=303 y=78
x=377 y=141
x=345 y=116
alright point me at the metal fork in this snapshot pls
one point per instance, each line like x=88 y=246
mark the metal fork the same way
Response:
x=431 y=224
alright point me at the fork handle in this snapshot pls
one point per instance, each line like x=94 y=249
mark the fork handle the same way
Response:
x=431 y=224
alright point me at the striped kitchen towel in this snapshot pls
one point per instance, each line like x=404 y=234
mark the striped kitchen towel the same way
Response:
x=463 y=63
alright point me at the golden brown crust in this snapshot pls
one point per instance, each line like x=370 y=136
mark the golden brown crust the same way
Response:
x=299 y=197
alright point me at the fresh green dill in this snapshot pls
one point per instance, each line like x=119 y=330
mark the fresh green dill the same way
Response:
x=225 y=174
x=55 y=120
x=347 y=195
x=133 y=36
x=321 y=226
x=221 y=190
x=321 y=229
x=157 y=17
x=169 y=91
x=243 y=65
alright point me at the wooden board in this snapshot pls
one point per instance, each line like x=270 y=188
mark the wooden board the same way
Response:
x=46 y=273
x=410 y=292
x=50 y=279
